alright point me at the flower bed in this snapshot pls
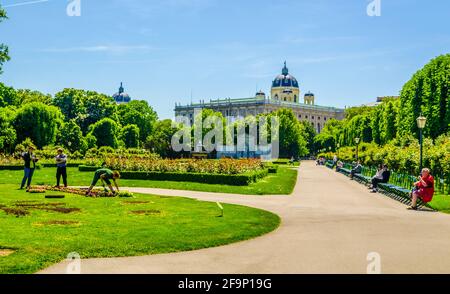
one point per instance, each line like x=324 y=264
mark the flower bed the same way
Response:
x=81 y=192
x=222 y=166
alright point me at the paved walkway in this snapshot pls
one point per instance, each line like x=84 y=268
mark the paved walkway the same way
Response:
x=329 y=225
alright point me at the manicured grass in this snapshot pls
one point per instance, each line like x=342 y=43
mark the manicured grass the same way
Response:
x=441 y=203
x=281 y=183
x=107 y=227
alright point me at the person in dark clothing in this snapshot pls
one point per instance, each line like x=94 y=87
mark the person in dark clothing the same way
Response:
x=356 y=170
x=105 y=175
x=384 y=178
x=61 y=167
x=30 y=160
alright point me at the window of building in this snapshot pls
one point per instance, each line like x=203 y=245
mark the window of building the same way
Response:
x=312 y=117
x=295 y=98
x=318 y=117
x=299 y=116
x=318 y=128
x=306 y=116
x=325 y=119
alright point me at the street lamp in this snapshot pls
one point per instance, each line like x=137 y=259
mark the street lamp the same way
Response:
x=357 y=140
x=421 y=122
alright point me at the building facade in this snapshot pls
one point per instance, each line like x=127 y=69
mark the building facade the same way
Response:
x=285 y=93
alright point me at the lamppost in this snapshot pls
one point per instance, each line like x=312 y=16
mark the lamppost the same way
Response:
x=357 y=140
x=421 y=122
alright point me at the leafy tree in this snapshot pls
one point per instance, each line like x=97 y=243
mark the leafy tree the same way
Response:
x=310 y=135
x=8 y=135
x=138 y=113
x=86 y=107
x=28 y=96
x=7 y=95
x=130 y=136
x=427 y=92
x=160 y=139
x=106 y=132
x=291 y=134
x=72 y=138
x=3 y=48
x=39 y=122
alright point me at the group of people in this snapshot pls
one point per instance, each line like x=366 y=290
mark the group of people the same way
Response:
x=30 y=160
x=423 y=188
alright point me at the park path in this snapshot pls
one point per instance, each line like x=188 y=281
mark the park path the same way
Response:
x=329 y=225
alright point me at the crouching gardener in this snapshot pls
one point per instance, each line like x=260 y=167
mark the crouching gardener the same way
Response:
x=105 y=175
x=61 y=167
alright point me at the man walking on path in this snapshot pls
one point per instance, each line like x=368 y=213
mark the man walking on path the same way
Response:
x=61 y=167
x=30 y=160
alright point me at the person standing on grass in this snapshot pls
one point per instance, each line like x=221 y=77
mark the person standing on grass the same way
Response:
x=30 y=160
x=61 y=167
x=105 y=175
x=423 y=189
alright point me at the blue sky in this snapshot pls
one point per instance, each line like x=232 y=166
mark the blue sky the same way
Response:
x=164 y=50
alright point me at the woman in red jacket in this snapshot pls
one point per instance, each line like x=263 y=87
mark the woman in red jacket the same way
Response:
x=424 y=189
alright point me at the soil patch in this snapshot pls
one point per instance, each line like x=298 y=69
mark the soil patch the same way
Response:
x=59 y=223
x=6 y=252
x=146 y=212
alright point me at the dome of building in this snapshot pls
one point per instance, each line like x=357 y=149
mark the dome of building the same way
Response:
x=285 y=79
x=260 y=94
x=121 y=96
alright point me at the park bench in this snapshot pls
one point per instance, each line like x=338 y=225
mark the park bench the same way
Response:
x=345 y=171
x=400 y=194
x=329 y=164
x=362 y=179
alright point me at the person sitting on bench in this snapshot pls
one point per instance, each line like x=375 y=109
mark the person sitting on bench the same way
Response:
x=356 y=170
x=383 y=175
x=423 y=189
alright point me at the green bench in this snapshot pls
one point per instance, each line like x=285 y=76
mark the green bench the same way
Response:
x=362 y=179
x=400 y=194
x=345 y=171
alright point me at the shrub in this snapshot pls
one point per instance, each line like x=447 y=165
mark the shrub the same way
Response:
x=221 y=179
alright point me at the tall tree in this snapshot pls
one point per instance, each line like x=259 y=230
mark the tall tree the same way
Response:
x=4 y=56
x=138 y=113
x=130 y=136
x=106 y=132
x=72 y=138
x=160 y=139
x=86 y=107
x=39 y=122
x=7 y=95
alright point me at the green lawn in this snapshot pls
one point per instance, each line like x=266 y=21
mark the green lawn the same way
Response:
x=281 y=183
x=441 y=203
x=112 y=227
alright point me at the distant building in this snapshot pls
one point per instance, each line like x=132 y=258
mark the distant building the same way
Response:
x=380 y=100
x=285 y=93
x=121 y=97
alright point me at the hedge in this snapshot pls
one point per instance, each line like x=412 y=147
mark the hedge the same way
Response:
x=232 y=180
x=15 y=167
x=87 y=168
x=70 y=164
